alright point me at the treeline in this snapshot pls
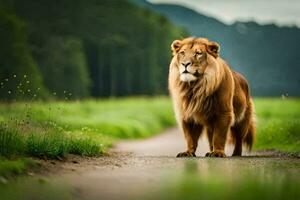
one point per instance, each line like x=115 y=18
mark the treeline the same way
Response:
x=76 y=49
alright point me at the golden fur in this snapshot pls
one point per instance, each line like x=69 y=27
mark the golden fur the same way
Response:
x=208 y=95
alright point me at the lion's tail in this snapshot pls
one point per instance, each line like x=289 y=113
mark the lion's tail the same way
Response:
x=249 y=137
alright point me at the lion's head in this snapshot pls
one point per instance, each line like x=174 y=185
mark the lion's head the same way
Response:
x=196 y=72
x=193 y=56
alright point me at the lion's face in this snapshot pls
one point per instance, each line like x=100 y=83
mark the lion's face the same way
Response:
x=191 y=55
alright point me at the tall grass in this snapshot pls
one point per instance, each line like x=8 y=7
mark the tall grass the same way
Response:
x=52 y=130
x=278 y=125
x=48 y=144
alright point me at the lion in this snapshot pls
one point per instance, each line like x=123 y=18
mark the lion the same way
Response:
x=208 y=96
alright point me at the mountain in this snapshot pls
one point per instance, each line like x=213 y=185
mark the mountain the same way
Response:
x=267 y=55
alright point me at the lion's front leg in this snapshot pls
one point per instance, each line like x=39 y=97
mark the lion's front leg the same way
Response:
x=192 y=133
x=221 y=128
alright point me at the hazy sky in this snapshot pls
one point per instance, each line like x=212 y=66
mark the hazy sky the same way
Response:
x=281 y=12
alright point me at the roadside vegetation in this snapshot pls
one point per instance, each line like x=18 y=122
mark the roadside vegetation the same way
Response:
x=55 y=129
x=87 y=128
x=278 y=124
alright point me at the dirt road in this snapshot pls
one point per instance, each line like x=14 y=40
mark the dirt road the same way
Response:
x=140 y=168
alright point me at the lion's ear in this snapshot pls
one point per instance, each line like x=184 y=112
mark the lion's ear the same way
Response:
x=175 y=46
x=213 y=48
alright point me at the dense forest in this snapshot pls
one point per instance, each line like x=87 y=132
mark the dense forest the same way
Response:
x=268 y=55
x=75 y=49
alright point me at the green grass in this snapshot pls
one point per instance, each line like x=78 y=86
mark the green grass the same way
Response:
x=15 y=167
x=213 y=179
x=35 y=188
x=86 y=128
x=278 y=124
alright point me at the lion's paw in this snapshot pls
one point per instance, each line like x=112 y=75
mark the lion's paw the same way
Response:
x=186 y=154
x=219 y=154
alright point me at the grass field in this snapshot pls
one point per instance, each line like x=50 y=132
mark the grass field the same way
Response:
x=53 y=130
x=278 y=124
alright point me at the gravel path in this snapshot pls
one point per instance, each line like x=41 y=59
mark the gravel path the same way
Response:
x=137 y=168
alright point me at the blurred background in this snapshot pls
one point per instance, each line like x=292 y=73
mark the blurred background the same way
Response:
x=76 y=49
x=94 y=53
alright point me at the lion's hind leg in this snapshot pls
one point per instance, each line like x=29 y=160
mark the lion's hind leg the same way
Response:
x=237 y=136
x=243 y=132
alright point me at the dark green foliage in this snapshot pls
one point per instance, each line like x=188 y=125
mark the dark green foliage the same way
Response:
x=102 y=48
x=64 y=67
x=19 y=75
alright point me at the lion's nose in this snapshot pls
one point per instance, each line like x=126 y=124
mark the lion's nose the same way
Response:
x=186 y=64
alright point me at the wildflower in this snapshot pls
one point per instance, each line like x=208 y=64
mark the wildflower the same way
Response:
x=6 y=79
x=28 y=90
x=27 y=82
x=54 y=93
x=64 y=91
x=9 y=92
x=38 y=89
x=25 y=76
x=2 y=83
x=15 y=76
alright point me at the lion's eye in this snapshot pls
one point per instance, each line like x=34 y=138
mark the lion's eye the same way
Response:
x=181 y=53
x=198 y=53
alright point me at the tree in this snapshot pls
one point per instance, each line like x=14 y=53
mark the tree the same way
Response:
x=64 y=68
x=19 y=75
